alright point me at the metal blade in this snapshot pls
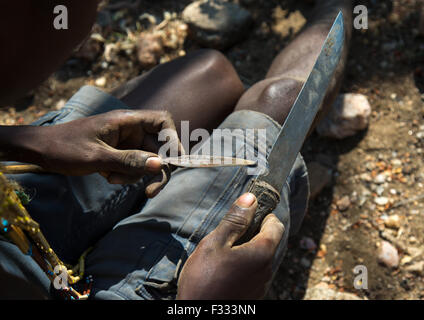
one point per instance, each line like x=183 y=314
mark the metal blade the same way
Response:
x=199 y=161
x=302 y=114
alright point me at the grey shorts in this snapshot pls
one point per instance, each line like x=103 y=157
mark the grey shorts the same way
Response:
x=141 y=245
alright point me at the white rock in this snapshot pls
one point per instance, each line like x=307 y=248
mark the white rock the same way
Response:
x=393 y=222
x=381 y=201
x=420 y=135
x=380 y=179
x=412 y=239
x=396 y=162
x=349 y=115
x=100 y=82
x=216 y=23
x=343 y=204
x=380 y=190
x=60 y=104
x=417 y=268
x=388 y=255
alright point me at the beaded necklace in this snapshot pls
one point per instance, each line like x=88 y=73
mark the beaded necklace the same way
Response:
x=18 y=227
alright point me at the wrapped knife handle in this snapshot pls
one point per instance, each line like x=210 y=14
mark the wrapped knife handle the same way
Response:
x=268 y=198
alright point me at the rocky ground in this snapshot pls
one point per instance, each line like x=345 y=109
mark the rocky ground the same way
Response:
x=369 y=210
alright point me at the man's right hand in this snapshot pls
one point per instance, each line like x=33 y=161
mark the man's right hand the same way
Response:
x=219 y=270
x=121 y=145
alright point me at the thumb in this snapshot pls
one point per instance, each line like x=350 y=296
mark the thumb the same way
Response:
x=237 y=220
x=133 y=162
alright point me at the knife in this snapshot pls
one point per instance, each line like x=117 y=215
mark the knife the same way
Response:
x=186 y=161
x=267 y=187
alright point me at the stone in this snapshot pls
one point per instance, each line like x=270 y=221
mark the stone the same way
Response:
x=421 y=23
x=111 y=52
x=149 y=49
x=380 y=179
x=393 y=222
x=319 y=177
x=216 y=23
x=349 y=115
x=380 y=190
x=417 y=268
x=343 y=204
x=60 y=104
x=100 y=82
x=412 y=239
x=405 y=260
x=381 y=201
x=323 y=292
x=388 y=255
x=365 y=177
x=396 y=162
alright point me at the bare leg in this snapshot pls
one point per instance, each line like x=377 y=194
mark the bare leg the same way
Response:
x=202 y=88
x=277 y=92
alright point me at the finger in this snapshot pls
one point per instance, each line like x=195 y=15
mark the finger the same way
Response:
x=132 y=162
x=157 y=183
x=237 y=220
x=269 y=236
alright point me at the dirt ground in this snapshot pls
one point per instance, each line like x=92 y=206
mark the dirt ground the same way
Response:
x=386 y=64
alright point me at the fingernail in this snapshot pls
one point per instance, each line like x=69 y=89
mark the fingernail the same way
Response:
x=246 y=200
x=153 y=163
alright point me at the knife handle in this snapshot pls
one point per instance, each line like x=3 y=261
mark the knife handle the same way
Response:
x=268 y=198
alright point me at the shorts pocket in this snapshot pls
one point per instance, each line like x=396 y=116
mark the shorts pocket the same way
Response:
x=161 y=280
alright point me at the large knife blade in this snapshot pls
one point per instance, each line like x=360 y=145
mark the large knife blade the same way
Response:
x=268 y=186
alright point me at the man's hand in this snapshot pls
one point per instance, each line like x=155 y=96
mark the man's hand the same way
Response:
x=110 y=144
x=219 y=270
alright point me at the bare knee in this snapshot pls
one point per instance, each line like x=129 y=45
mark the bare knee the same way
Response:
x=214 y=66
x=273 y=97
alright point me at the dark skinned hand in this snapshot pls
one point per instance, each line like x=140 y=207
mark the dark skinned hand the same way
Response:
x=219 y=270
x=110 y=144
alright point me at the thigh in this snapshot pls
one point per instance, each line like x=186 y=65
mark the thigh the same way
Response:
x=272 y=96
x=202 y=88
